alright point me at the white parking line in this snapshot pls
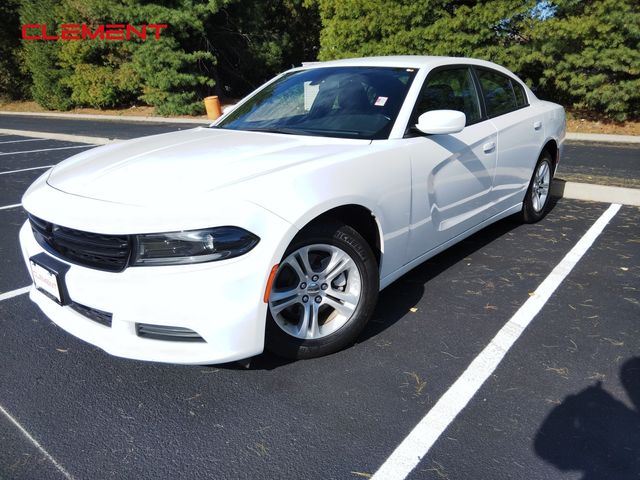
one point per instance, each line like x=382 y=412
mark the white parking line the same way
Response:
x=14 y=293
x=48 y=456
x=20 y=141
x=46 y=149
x=60 y=468
x=26 y=169
x=416 y=445
x=57 y=136
x=15 y=205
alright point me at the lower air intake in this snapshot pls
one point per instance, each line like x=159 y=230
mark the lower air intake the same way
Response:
x=163 y=332
x=103 y=318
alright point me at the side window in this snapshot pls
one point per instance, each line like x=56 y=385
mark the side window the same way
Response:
x=521 y=97
x=452 y=89
x=498 y=94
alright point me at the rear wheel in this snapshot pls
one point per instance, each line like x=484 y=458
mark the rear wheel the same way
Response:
x=323 y=293
x=536 y=201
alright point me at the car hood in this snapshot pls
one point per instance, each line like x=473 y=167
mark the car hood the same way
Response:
x=163 y=168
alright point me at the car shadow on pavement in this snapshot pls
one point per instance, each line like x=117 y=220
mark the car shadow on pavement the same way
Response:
x=594 y=433
x=395 y=301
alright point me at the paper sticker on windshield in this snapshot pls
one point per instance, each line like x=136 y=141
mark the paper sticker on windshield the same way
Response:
x=380 y=101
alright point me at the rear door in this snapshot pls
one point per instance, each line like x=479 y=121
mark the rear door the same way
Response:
x=452 y=175
x=520 y=135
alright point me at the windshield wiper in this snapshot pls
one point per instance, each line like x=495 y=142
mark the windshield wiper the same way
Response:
x=286 y=131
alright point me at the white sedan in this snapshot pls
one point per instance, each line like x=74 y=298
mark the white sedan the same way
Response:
x=278 y=225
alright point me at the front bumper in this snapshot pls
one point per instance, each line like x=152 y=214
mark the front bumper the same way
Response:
x=220 y=301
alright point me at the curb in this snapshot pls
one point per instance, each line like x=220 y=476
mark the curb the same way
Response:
x=602 y=137
x=59 y=136
x=595 y=193
x=113 y=118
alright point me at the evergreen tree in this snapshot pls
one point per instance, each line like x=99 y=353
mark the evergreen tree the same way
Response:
x=588 y=55
x=421 y=27
x=13 y=81
x=41 y=58
x=255 y=39
x=582 y=53
x=172 y=73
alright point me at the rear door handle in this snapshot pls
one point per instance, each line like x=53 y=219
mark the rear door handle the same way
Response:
x=537 y=125
x=489 y=147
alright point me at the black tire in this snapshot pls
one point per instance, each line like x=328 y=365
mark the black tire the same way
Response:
x=531 y=214
x=345 y=238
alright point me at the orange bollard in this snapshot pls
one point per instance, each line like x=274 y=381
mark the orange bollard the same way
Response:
x=212 y=105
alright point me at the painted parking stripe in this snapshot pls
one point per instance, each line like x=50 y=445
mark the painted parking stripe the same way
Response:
x=58 y=136
x=36 y=444
x=7 y=207
x=22 y=141
x=14 y=293
x=47 y=149
x=417 y=444
x=26 y=169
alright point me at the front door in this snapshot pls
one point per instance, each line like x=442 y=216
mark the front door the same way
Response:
x=452 y=175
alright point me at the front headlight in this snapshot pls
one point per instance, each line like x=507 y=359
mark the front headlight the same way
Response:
x=194 y=246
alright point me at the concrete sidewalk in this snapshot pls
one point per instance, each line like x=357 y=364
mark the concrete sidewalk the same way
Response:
x=602 y=137
x=112 y=118
x=595 y=193
x=571 y=136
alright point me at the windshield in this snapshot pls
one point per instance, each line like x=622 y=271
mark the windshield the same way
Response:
x=344 y=102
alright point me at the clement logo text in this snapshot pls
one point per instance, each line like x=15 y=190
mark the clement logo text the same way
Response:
x=77 y=31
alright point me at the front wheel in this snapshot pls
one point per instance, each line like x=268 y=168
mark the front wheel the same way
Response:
x=536 y=202
x=323 y=293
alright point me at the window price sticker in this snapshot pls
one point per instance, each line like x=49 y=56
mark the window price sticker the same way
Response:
x=381 y=101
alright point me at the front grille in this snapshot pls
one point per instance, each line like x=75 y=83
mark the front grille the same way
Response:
x=103 y=318
x=162 y=332
x=94 y=250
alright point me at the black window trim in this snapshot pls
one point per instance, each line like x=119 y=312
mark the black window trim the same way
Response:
x=411 y=132
x=475 y=69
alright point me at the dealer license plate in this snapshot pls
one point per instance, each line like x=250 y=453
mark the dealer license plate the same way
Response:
x=46 y=281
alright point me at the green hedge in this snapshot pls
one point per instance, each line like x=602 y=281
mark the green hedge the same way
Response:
x=170 y=73
x=581 y=53
x=253 y=39
x=14 y=82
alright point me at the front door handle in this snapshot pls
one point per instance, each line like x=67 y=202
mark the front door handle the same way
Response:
x=537 y=125
x=489 y=147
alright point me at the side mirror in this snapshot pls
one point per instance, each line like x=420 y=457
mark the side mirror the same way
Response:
x=441 y=122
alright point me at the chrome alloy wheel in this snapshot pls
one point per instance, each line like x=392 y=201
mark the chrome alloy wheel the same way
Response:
x=315 y=292
x=540 y=188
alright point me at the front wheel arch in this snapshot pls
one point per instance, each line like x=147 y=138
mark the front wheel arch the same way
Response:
x=358 y=217
x=291 y=293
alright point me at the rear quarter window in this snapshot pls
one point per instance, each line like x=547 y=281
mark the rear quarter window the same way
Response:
x=499 y=95
x=521 y=97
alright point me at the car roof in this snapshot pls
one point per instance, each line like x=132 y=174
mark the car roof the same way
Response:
x=404 y=61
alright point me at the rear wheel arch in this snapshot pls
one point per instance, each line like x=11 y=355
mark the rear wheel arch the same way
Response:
x=536 y=202
x=552 y=147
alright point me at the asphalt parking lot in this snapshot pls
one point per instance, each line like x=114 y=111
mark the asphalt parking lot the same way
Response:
x=564 y=403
